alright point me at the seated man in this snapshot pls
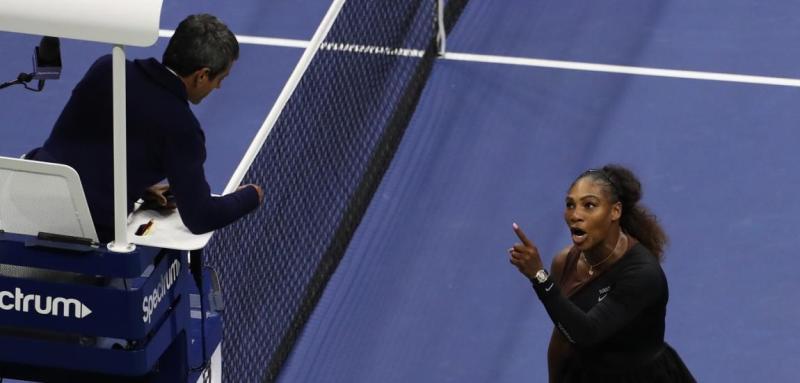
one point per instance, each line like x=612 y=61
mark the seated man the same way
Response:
x=165 y=139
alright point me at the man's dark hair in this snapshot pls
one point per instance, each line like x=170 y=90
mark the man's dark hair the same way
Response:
x=201 y=41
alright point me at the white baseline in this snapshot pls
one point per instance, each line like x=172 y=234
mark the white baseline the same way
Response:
x=529 y=62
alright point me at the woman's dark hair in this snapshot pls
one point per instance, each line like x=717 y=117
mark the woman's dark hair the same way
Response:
x=201 y=41
x=623 y=186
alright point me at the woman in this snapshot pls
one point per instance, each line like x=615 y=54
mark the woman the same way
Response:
x=607 y=295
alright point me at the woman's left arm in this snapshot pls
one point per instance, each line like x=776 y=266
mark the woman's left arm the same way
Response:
x=637 y=288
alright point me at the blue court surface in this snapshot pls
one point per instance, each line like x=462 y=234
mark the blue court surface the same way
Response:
x=425 y=292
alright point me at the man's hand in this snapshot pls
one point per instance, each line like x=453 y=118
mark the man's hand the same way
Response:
x=525 y=255
x=158 y=197
x=258 y=190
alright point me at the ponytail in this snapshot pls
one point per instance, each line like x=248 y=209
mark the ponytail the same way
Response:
x=636 y=220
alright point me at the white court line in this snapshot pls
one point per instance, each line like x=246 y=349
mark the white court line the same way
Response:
x=632 y=70
x=327 y=45
x=539 y=63
x=255 y=40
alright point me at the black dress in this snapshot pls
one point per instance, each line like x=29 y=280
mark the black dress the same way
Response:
x=615 y=323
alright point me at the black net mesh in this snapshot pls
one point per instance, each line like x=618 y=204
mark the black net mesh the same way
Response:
x=320 y=167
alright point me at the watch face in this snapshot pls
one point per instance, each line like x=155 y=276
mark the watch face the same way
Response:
x=541 y=276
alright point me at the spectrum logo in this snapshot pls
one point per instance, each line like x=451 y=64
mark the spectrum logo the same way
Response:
x=152 y=300
x=56 y=306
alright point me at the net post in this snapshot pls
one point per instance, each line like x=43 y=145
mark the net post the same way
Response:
x=287 y=91
x=441 y=36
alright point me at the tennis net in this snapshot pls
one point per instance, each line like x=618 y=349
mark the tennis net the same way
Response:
x=320 y=166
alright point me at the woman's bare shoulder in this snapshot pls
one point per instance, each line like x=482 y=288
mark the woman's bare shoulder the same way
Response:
x=559 y=261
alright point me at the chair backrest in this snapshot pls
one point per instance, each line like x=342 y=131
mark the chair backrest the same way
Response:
x=43 y=197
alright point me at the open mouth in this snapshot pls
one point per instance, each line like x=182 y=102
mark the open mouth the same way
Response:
x=578 y=235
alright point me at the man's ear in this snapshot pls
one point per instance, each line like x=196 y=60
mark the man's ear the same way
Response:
x=204 y=74
x=200 y=75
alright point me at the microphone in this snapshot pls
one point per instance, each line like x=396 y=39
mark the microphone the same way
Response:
x=47 y=59
x=46 y=65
